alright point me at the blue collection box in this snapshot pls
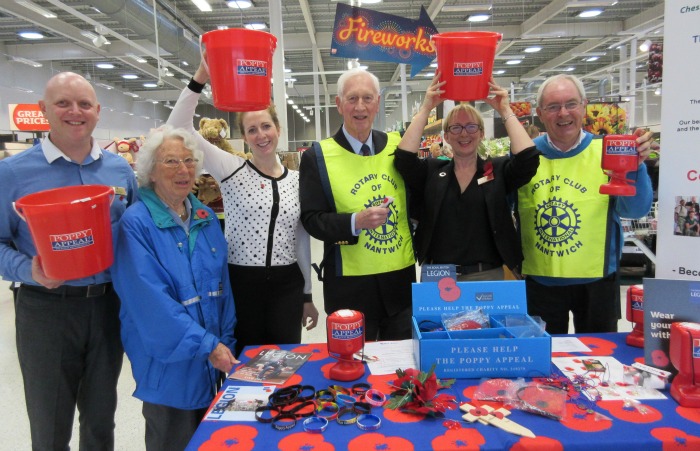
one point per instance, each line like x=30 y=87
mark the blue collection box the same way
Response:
x=511 y=347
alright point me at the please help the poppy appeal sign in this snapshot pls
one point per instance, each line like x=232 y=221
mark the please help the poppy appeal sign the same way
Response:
x=27 y=117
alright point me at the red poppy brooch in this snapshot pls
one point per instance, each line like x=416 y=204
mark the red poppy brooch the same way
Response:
x=202 y=213
x=417 y=392
x=488 y=173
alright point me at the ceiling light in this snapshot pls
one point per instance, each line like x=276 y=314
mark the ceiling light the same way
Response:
x=130 y=76
x=36 y=8
x=587 y=14
x=499 y=72
x=154 y=102
x=533 y=49
x=150 y=85
x=104 y=65
x=255 y=26
x=130 y=94
x=21 y=89
x=287 y=71
x=290 y=101
x=296 y=107
x=510 y=57
x=513 y=62
x=222 y=27
x=138 y=59
x=428 y=74
x=100 y=40
x=433 y=64
x=28 y=62
x=657 y=91
x=368 y=2
x=104 y=85
x=30 y=35
x=464 y=8
x=240 y=4
x=479 y=17
x=590 y=59
x=202 y=5
x=645 y=46
x=185 y=63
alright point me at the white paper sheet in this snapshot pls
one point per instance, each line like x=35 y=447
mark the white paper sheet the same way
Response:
x=385 y=357
x=568 y=344
x=609 y=384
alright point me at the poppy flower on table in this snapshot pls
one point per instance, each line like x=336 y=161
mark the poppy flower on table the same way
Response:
x=417 y=392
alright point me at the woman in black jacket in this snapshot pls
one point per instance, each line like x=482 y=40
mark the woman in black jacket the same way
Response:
x=465 y=215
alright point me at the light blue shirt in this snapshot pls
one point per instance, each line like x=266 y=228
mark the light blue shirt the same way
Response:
x=357 y=148
x=357 y=145
x=44 y=167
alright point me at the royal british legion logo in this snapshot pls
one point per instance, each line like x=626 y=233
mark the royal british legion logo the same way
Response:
x=467 y=69
x=73 y=240
x=251 y=67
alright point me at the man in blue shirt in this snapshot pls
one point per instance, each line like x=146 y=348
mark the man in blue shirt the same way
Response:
x=571 y=234
x=68 y=341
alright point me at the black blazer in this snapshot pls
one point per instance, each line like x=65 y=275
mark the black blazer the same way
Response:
x=424 y=180
x=368 y=294
x=318 y=215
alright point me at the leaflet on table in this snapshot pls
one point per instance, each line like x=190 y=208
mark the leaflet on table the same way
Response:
x=568 y=344
x=235 y=403
x=388 y=356
x=607 y=377
x=271 y=366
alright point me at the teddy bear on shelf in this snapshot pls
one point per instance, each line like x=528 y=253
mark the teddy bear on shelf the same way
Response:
x=127 y=148
x=215 y=131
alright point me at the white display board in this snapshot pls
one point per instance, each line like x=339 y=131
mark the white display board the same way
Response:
x=679 y=177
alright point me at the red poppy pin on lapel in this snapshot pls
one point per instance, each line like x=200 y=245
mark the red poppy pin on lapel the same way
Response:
x=488 y=173
x=202 y=213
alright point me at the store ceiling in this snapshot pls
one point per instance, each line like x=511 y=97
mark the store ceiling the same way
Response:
x=566 y=39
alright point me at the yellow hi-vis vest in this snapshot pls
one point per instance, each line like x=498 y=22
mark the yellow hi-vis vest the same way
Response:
x=564 y=219
x=358 y=182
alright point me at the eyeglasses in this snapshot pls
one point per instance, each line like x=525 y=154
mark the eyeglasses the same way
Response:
x=457 y=129
x=555 y=108
x=174 y=163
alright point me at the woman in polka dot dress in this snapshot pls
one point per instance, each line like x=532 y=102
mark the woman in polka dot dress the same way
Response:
x=269 y=254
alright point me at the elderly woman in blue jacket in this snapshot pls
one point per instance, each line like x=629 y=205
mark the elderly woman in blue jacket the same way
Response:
x=177 y=313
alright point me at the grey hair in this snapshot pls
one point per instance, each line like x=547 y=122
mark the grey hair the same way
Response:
x=354 y=72
x=559 y=77
x=149 y=151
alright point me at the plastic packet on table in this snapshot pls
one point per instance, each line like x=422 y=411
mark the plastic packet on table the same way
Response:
x=523 y=326
x=498 y=389
x=541 y=399
x=465 y=320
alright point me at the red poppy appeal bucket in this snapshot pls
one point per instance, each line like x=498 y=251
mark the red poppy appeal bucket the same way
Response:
x=71 y=229
x=240 y=68
x=465 y=61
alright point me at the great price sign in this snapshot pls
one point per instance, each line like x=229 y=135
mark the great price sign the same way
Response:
x=27 y=117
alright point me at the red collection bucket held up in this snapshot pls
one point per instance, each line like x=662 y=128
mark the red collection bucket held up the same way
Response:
x=240 y=68
x=465 y=61
x=71 y=229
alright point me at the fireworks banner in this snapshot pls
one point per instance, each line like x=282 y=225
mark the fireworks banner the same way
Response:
x=605 y=119
x=374 y=36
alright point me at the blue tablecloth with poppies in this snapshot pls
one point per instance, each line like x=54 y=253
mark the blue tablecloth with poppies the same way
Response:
x=662 y=425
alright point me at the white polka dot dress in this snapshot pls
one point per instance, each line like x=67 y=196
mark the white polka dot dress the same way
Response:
x=262 y=214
